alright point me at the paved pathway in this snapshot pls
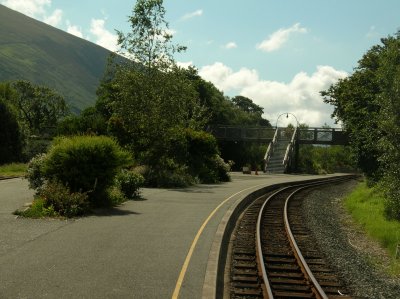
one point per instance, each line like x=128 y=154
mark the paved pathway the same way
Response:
x=134 y=251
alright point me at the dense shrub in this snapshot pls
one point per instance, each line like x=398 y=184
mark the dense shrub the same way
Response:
x=58 y=197
x=204 y=160
x=115 y=196
x=85 y=164
x=169 y=174
x=129 y=183
x=35 y=173
x=390 y=188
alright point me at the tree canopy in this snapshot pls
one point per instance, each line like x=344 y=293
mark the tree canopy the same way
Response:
x=39 y=108
x=368 y=104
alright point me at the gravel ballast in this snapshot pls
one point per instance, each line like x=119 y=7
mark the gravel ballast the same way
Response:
x=346 y=248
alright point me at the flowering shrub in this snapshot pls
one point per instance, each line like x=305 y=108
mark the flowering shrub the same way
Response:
x=129 y=183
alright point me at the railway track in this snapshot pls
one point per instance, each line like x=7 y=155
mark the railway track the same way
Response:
x=275 y=256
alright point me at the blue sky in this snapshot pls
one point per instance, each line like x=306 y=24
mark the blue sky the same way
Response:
x=278 y=53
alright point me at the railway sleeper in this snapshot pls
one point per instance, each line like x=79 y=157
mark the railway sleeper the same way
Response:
x=286 y=275
x=244 y=257
x=243 y=272
x=283 y=267
x=245 y=278
x=245 y=285
x=289 y=260
x=292 y=288
x=245 y=264
x=289 y=281
x=281 y=294
x=248 y=292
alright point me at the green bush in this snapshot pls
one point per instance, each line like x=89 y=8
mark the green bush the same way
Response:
x=38 y=209
x=169 y=174
x=129 y=183
x=115 y=196
x=59 y=198
x=204 y=160
x=222 y=169
x=86 y=164
x=35 y=173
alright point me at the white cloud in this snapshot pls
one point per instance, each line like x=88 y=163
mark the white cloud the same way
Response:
x=225 y=79
x=104 y=37
x=32 y=8
x=185 y=65
x=277 y=39
x=191 y=15
x=73 y=29
x=55 y=18
x=230 y=45
x=300 y=96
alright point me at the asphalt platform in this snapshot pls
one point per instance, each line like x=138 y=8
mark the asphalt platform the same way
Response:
x=156 y=247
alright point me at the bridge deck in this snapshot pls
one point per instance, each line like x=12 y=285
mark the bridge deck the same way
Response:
x=328 y=136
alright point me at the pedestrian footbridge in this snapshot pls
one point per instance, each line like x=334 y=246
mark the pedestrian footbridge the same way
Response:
x=283 y=142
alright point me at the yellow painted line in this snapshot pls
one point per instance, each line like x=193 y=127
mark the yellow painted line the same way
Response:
x=195 y=240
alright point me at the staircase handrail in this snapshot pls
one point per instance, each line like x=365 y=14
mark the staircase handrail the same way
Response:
x=270 y=149
x=289 y=150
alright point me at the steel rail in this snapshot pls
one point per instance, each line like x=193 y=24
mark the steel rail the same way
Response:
x=259 y=252
x=303 y=264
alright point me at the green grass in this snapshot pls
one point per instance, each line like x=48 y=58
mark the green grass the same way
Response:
x=13 y=169
x=37 y=210
x=366 y=205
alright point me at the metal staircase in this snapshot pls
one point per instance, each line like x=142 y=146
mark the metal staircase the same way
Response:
x=280 y=151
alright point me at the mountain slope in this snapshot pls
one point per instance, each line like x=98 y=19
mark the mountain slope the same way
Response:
x=34 y=51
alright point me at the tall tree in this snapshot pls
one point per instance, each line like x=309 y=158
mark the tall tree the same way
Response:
x=150 y=101
x=10 y=135
x=39 y=108
x=368 y=104
x=356 y=105
x=389 y=123
x=150 y=41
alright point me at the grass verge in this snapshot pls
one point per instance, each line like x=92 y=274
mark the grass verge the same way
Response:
x=13 y=169
x=366 y=206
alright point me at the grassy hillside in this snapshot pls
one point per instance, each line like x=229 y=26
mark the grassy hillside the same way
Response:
x=42 y=54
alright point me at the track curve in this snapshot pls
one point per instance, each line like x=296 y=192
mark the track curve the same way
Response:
x=273 y=254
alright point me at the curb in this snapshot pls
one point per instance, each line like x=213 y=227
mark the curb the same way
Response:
x=3 y=178
x=213 y=286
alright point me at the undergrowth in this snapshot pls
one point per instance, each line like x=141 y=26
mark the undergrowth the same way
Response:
x=13 y=169
x=366 y=206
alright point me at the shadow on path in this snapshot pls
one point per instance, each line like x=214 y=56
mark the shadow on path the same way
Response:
x=113 y=212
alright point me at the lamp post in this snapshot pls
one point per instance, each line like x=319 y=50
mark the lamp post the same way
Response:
x=287 y=116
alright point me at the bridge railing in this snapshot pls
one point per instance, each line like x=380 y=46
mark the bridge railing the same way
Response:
x=290 y=150
x=332 y=136
x=270 y=149
x=263 y=134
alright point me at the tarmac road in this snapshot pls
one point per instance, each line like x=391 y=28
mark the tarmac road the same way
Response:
x=133 y=251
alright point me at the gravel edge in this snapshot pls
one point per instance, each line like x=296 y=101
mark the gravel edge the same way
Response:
x=347 y=249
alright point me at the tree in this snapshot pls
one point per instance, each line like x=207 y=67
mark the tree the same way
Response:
x=149 y=43
x=368 y=104
x=39 y=108
x=10 y=136
x=149 y=102
x=389 y=124
x=357 y=105
x=247 y=105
